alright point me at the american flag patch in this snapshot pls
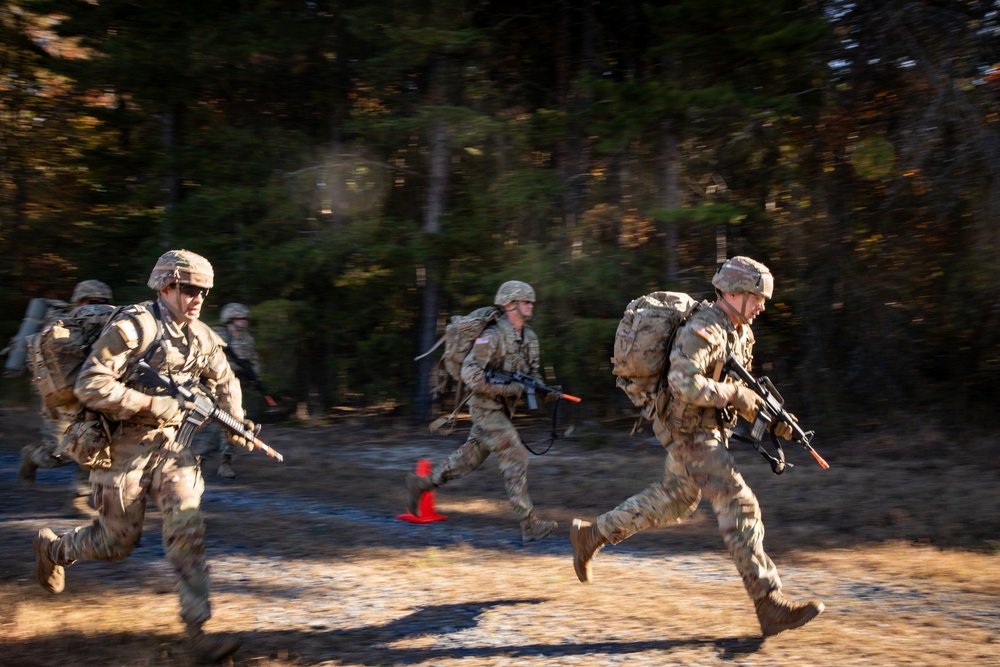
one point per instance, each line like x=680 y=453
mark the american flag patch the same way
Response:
x=702 y=331
x=483 y=341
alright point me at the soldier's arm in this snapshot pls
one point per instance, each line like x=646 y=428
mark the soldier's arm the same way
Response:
x=99 y=384
x=481 y=357
x=697 y=350
x=219 y=377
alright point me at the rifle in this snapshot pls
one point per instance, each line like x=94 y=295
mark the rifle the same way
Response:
x=244 y=371
x=773 y=409
x=200 y=408
x=531 y=387
x=530 y=384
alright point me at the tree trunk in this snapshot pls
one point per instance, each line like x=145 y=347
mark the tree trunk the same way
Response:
x=670 y=197
x=439 y=141
x=171 y=183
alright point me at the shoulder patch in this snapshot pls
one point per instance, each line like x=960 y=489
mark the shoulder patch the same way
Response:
x=128 y=332
x=484 y=340
x=702 y=331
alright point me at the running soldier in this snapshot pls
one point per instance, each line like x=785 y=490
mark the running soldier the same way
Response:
x=146 y=461
x=508 y=344
x=47 y=453
x=700 y=410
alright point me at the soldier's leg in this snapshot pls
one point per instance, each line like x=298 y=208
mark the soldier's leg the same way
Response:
x=121 y=507
x=459 y=463
x=463 y=460
x=225 y=456
x=177 y=486
x=738 y=514
x=43 y=455
x=670 y=500
x=500 y=437
x=206 y=441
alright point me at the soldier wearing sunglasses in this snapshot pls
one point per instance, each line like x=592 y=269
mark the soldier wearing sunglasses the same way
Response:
x=145 y=460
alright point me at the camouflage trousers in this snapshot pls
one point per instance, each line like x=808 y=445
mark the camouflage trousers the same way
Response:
x=210 y=438
x=700 y=464
x=154 y=467
x=46 y=453
x=492 y=433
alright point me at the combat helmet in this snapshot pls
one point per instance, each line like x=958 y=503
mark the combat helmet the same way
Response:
x=514 y=290
x=91 y=289
x=233 y=311
x=181 y=266
x=742 y=274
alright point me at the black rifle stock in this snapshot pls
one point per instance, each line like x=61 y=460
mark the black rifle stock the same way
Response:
x=200 y=408
x=773 y=409
x=530 y=384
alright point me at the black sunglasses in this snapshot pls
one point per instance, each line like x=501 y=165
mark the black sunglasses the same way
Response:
x=193 y=290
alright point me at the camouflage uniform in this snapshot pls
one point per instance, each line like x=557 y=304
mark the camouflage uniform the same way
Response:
x=698 y=461
x=491 y=407
x=54 y=421
x=692 y=420
x=146 y=460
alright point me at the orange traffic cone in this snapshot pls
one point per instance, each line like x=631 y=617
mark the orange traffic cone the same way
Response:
x=425 y=509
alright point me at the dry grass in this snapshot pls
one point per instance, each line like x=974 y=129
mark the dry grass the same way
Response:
x=311 y=568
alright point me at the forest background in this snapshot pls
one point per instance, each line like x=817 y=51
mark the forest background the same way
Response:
x=359 y=172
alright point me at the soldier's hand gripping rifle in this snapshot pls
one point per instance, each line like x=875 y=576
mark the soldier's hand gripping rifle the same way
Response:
x=531 y=388
x=773 y=409
x=244 y=371
x=199 y=408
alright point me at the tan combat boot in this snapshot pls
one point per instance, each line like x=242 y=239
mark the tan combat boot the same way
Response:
x=226 y=468
x=208 y=649
x=26 y=472
x=777 y=614
x=586 y=541
x=49 y=575
x=416 y=485
x=533 y=528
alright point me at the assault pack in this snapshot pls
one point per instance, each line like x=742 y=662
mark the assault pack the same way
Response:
x=459 y=336
x=56 y=353
x=643 y=340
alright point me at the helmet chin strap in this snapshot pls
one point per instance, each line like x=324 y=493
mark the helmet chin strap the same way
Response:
x=175 y=310
x=741 y=314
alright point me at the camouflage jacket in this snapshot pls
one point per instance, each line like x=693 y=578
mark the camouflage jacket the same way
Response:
x=242 y=345
x=189 y=351
x=500 y=347
x=696 y=399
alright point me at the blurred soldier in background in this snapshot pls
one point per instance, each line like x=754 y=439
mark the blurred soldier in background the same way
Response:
x=54 y=421
x=700 y=406
x=241 y=350
x=140 y=425
x=508 y=344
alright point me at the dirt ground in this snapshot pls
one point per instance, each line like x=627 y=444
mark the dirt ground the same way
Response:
x=310 y=566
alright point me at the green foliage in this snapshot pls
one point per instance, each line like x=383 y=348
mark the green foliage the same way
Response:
x=854 y=151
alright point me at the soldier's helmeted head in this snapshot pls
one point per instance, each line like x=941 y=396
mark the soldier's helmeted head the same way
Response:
x=91 y=292
x=514 y=290
x=181 y=267
x=742 y=274
x=234 y=311
x=179 y=274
